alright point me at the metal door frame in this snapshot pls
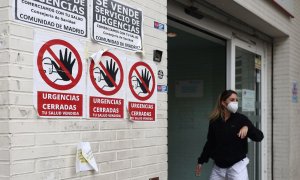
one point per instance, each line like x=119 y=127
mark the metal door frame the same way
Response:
x=260 y=48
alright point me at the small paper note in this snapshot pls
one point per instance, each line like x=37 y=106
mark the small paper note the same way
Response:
x=97 y=57
x=85 y=160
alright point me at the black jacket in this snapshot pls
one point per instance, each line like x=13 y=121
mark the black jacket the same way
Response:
x=223 y=144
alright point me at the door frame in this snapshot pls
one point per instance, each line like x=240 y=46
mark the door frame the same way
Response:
x=240 y=39
x=260 y=48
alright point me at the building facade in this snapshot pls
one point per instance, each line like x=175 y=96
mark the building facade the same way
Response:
x=36 y=147
x=260 y=61
x=46 y=73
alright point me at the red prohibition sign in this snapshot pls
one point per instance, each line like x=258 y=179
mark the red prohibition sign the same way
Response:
x=47 y=47
x=117 y=86
x=134 y=69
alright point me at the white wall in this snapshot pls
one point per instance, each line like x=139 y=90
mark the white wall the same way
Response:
x=45 y=148
x=4 y=101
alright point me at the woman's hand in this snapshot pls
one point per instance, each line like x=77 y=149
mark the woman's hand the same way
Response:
x=198 y=169
x=243 y=132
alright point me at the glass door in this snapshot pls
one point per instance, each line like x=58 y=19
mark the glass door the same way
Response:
x=248 y=86
x=247 y=74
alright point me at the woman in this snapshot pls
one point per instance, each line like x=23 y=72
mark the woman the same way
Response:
x=227 y=140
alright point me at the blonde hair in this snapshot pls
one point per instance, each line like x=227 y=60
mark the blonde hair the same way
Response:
x=218 y=111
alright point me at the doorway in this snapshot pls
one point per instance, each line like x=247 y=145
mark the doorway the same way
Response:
x=196 y=76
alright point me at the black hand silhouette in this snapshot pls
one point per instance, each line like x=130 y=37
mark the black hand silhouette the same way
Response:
x=146 y=78
x=66 y=61
x=112 y=72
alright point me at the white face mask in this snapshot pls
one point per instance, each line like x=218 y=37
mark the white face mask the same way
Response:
x=233 y=107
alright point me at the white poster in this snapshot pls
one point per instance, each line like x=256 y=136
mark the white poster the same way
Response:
x=85 y=160
x=117 y=24
x=248 y=100
x=294 y=91
x=141 y=90
x=106 y=85
x=59 y=75
x=63 y=15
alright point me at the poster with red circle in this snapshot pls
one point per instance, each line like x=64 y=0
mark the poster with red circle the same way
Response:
x=142 y=91
x=106 y=90
x=62 y=69
x=59 y=77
